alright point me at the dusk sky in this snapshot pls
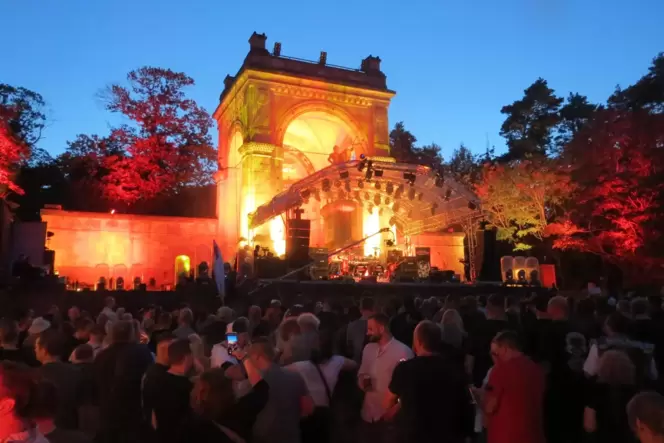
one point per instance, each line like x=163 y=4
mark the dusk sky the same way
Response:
x=454 y=64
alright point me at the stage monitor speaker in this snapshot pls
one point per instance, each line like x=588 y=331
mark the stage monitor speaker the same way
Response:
x=269 y=267
x=298 y=235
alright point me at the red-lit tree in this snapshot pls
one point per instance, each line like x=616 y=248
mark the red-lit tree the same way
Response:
x=12 y=153
x=167 y=145
x=521 y=198
x=617 y=165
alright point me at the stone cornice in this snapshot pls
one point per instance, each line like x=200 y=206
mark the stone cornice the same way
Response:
x=292 y=86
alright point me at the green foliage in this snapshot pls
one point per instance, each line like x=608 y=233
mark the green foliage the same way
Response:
x=530 y=122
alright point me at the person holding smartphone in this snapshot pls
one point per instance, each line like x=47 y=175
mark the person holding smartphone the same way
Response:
x=238 y=339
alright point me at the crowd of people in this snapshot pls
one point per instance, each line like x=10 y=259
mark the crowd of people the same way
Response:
x=451 y=369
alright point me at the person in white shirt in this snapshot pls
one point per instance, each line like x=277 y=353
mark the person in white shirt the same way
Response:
x=379 y=358
x=220 y=355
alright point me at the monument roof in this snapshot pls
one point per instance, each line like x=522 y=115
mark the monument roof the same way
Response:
x=368 y=76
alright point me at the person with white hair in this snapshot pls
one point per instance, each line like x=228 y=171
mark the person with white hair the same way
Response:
x=304 y=343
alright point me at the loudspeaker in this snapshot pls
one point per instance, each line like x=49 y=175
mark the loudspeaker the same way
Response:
x=49 y=260
x=490 y=263
x=298 y=234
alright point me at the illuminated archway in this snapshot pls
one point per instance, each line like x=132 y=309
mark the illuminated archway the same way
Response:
x=182 y=266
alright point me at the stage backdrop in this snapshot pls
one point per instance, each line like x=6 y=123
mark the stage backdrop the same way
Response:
x=446 y=250
x=89 y=245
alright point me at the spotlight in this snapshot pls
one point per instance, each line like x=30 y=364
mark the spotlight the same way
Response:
x=389 y=188
x=411 y=194
x=433 y=208
x=448 y=194
x=337 y=184
x=343 y=175
x=370 y=208
x=376 y=199
x=360 y=183
x=379 y=172
x=388 y=200
x=399 y=191
x=347 y=186
x=439 y=181
x=326 y=185
x=378 y=185
x=472 y=206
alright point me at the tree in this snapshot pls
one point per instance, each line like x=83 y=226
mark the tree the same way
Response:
x=521 y=198
x=24 y=118
x=428 y=155
x=465 y=167
x=12 y=153
x=530 y=122
x=402 y=144
x=167 y=145
x=646 y=94
x=574 y=115
x=617 y=163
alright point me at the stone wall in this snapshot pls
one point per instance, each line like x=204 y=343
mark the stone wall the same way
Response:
x=90 y=245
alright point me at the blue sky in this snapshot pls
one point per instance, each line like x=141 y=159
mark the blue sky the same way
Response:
x=454 y=64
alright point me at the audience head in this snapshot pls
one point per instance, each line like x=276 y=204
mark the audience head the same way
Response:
x=558 y=308
x=288 y=329
x=73 y=313
x=616 y=324
x=164 y=320
x=261 y=353
x=180 y=357
x=8 y=332
x=226 y=314
x=616 y=368
x=212 y=395
x=378 y=328
x=367 y=305
x=426 y=338
x=495 y=305
x=645 y=413
x=453 y=332
x=83 y=327
x=83 y=354
x=122 y=331
x=308 y=322
x=97 y=334
x=241 y=327
x=186 y=317
x=505 y=346
x=255 y=314
x=109 y=302
x=17 y=394
x=164 y=340
x=50 y=346
x=39 y=325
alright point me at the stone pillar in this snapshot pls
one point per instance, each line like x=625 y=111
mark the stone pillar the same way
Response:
x=381 y=132
x=261 y=180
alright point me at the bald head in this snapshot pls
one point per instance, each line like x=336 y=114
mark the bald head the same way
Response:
x=427 y=337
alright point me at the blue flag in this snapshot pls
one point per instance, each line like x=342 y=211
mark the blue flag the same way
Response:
x=218 y=269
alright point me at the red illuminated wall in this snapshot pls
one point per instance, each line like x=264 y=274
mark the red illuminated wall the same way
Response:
x=90 y=245
x=446 y=250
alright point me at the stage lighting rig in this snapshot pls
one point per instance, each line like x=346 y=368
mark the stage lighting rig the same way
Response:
x=326 y=185
x=389 y=188
x=378 y=172
x=347 y=186
x=378 y=185
x=343 y=175
x=360 y=183
x=305 y=194
x=376 y=199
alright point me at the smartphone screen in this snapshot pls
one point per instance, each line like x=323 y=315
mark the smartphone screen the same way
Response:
x=231 y=338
